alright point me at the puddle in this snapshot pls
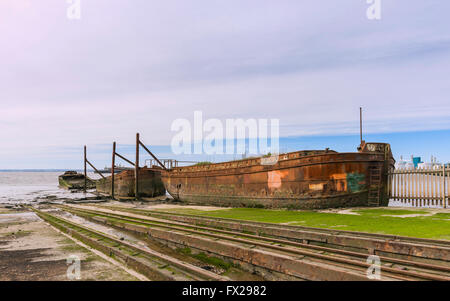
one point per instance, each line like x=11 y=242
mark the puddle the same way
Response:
x=9 y=217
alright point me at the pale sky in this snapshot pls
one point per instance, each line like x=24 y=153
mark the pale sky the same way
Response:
x=136 y=66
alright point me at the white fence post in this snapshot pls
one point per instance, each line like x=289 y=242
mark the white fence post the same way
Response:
x=420 y=187
x=443 y=187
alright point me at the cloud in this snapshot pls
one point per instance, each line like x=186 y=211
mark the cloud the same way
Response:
x=137 y=66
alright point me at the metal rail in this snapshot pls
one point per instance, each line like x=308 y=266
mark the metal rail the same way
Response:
x=200 y=274
x=389 y=237
x=321 y=248
x=255 y=241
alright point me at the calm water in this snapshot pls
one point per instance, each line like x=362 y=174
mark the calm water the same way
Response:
x=27 y=187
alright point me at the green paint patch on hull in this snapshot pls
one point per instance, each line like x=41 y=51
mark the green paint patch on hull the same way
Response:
x=356 y=182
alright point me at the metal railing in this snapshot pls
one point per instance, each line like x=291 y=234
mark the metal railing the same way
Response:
x=169 y=163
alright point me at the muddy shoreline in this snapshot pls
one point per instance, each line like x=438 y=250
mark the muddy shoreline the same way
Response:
x=31 y=250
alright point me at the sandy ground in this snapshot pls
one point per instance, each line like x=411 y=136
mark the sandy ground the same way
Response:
x=350 y=211
x=340 y=211
x=430 y=211
x=30 y=249
x=146 y=205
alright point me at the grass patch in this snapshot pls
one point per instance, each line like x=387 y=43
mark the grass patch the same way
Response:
x=368 y=220
x=217 y=262
x=213 y=261
x=382 y=211
x=72 y=247
x=185 y=251
x=92 y=258
x=203 y=163
x=444 y=216
x=16 y=234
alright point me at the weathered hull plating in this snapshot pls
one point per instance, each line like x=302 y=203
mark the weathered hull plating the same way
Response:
x=150 y=184
x=303 y=180
x=74 y=181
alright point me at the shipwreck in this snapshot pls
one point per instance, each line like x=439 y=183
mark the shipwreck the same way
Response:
x=310 y=179
x=150 y=184
x=75 y=181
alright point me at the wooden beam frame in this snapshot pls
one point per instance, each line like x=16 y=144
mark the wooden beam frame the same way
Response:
x=136 y=169
x=85 y=170
x=113 y=165
x=95 y=168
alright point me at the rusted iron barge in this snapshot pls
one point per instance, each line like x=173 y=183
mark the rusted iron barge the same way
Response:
x=150 y=184
x=311 y=179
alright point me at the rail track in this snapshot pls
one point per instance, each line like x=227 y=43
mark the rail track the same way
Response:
x=154 y=265
x=426 y=250
x=297 y=259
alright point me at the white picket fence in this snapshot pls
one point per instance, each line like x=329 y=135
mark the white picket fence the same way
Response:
x=420 y=187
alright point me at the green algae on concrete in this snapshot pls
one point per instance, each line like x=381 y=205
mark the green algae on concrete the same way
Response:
x=212 y=260
x=378 y=220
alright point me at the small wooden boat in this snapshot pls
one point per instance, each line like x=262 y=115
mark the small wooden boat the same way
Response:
x=310 y=179
x=75 y=181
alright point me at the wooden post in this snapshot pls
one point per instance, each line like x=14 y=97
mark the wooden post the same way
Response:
x=96 y=170
x=430 y=188
x=136 y=169
x=112 y=168
x=448 y=187
x=85 y=170
x=360 y=124
x=151 y=154
x=389 y=187
x=443 y=186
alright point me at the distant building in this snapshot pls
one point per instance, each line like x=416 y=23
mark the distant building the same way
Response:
x=416 y=163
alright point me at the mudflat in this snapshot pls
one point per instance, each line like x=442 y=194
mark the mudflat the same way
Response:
x=30 y=249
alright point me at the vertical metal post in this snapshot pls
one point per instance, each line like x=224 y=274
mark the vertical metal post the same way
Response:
x=136 y=169
x=112 y=168
x=360 y=124
x=85 y=170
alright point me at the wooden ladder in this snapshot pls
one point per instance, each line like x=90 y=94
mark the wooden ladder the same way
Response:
x=375 y=174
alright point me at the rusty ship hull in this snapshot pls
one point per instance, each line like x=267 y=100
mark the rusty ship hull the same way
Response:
x=150 y=184
x=298 y=180
x=72 y=180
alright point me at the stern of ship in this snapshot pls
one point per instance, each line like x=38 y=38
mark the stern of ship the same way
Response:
x=378 y=182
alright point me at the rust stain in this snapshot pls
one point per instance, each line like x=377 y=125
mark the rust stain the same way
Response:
x=149 y=182
x=316 y=187
x=303 y=179
x=341 y=181
x=274 y=179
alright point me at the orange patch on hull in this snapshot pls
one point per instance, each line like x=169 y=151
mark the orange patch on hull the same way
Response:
x=316 y=187
x=341 y=181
